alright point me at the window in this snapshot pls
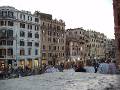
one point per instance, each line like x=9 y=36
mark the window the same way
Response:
x=49 y=33
x=54 y=27
x=4 y=13
x=43 y=47
x=22 y=34
x=10 y=23
x=20 y=16
x=29 y=26
x=36 y=27
x=63 y=54
x=2 y=42
x=43 y=54
x=49 y=39
x=22 y=52
x=58 y=27
x=9 y=33
x=2 y=23
x=50 y=26
x=36 y=44
x=30 y=34
x=54 y=33
x=29 y=43
x=54 y=47
x=43 y=23
x=62 y=40
x=49 y=54
x=22 y=25
x=10 y=14
x=62 y=47
x=22 y=43
x=10 y=52
x=36 y=20
x=28 y=17
x=36 y=35
x=36 y=51
x=54 y=40
x=9 y=42
x=24 y=17
x=29 y=51
x=75 y=32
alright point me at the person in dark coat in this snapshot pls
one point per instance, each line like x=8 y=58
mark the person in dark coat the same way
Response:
x=80 y=67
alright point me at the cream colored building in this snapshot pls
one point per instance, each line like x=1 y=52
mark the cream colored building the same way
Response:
x=97 y=42
x=84 y=45
x=76 y=44
x=52 y=39
x=110 y=48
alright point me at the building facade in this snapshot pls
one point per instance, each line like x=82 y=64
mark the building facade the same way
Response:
x=52 y=39
x=116 y=8
x=76 y=45
x=82 y=45
x=19 y=38
x=97 y=42
x=110 y=49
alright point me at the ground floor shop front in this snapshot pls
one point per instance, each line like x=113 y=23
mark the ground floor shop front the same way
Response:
x=30 y=63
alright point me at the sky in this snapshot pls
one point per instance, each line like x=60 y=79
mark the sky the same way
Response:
x=96 y=15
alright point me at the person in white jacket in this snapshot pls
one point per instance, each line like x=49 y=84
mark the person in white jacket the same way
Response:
x=51 y=69
x=103 y=67
x=89 y=67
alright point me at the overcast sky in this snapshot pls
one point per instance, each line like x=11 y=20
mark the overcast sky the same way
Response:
x=89 y=14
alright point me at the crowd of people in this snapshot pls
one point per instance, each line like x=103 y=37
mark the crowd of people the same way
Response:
x=16 y=72
x=103 y=67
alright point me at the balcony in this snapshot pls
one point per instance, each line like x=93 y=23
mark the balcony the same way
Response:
x=8 y=57
x=7 y=38
x=7 y=17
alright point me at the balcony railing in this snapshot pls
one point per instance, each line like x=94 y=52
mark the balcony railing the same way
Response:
x=8 y=57
x=7 y=17
x=9 y=37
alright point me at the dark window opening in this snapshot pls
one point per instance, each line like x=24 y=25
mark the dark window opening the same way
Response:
x=30 y=34
x=22 y=43
x=22 y=25
x=29 y=43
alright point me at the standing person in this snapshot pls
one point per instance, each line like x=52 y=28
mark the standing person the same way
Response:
x=103 y=67
x=96 y=65
x=89 y=67
x=112 y=67
x=60 y=67
x=80 y=67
